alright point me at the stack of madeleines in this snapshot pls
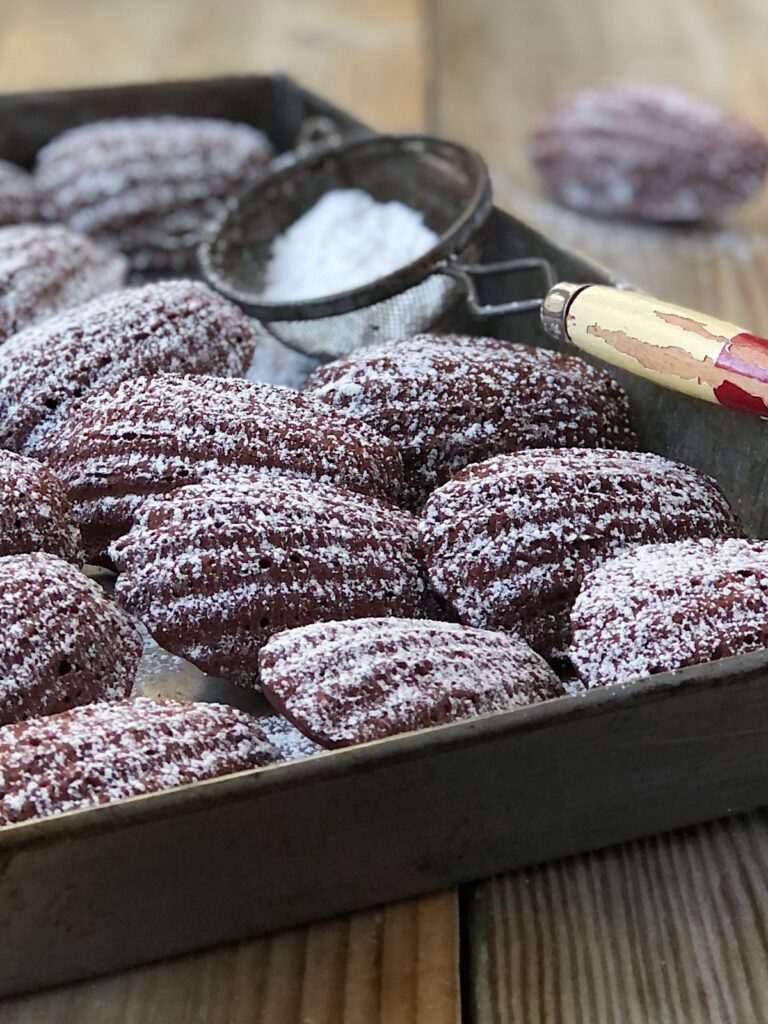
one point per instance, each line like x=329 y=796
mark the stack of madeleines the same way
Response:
x=435 y=528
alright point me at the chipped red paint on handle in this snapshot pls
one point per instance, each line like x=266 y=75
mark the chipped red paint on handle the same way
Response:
x=676 y=348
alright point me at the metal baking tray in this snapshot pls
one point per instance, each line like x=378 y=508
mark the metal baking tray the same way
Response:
x=96 y=890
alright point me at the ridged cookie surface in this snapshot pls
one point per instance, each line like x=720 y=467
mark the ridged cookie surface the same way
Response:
x=169 y=327
x=648 y=153
x=507 y=541
x=106 y=752
x=148 y=186
x=214 y=569
x=447 y=401
x=35 y=512
x=18 y=198
x=47 y=268
x=150 y=435
x=63 y=641
x=665 y=606
x=343 y=683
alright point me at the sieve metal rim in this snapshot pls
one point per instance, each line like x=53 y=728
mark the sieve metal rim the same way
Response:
x=448 y=247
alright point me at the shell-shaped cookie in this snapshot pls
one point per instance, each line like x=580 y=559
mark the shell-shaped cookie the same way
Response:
x=664 y=606
x=106 y=752
x=18 y=197
x=149 y=435
x=148 y=186
x=343 y=683
x=35 y=512
x=214 y=569
x=168 y=327
x=46 y=268
x=447 y=401
x=649 y=154
x=63 y=641
x=507 y=541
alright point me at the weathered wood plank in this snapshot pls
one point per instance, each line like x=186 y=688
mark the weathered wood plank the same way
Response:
x=395 y=965
x=368 y=56
x=670 y=930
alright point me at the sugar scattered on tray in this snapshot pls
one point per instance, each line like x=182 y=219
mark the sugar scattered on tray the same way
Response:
x=346 y=240
x=275 y=363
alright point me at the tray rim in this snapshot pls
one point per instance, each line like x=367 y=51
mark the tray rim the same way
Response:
x=196 y=797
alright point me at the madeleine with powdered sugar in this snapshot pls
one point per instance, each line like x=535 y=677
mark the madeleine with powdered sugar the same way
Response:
x=168 y=327
x=447 y=401
x=214 y=569
x=148 y=186
x=147 y=436
x=106 y=752
x=507 y=541
x=64 y=642
x=47 y=268
x=343 y=683
x=35 y=512
x=664 y=606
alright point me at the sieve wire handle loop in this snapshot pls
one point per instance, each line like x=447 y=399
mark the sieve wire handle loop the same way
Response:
x=467 y=273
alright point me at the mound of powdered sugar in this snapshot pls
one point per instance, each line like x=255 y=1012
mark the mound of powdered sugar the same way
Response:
x=346 y=240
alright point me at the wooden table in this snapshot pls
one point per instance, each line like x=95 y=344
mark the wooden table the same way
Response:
x=669 y=930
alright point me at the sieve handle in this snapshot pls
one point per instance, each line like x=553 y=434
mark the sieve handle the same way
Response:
x=677 y=348
x=468 y=273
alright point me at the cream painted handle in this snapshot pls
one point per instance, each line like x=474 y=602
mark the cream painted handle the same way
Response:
x=675 y=347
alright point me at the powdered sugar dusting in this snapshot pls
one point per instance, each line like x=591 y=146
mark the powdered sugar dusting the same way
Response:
x=35 y=513
x=106 y=752
x=63 y=642
x=275 y=363
x=216 y=568
x=664 y=606
x=346 y=240
x=172 y=326
x=507 y=541
x=287 y=739
x=148 y=186
x=649 y=153
x=44 y=269
x=18 y=199
x=448 y=401
x=150 y=435
x=348 y=682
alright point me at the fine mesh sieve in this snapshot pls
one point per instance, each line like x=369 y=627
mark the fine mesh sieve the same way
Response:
x=447 y=183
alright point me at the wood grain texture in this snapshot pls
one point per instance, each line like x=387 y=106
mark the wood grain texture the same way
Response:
x=395 y=965
x=670 y=930
x=366 y=55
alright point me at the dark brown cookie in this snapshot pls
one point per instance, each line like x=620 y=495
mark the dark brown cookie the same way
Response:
x=664 y=606
x=213 y=570
x=507 y=541
x=448 y=401
x=18 y=198
x=107 y=752
x=169 y=327
x=63 y=642
x=648 y=154
x=343 y=683
x=46 y=268
x=35 y=512
x=150 y=435
x=148 y=186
